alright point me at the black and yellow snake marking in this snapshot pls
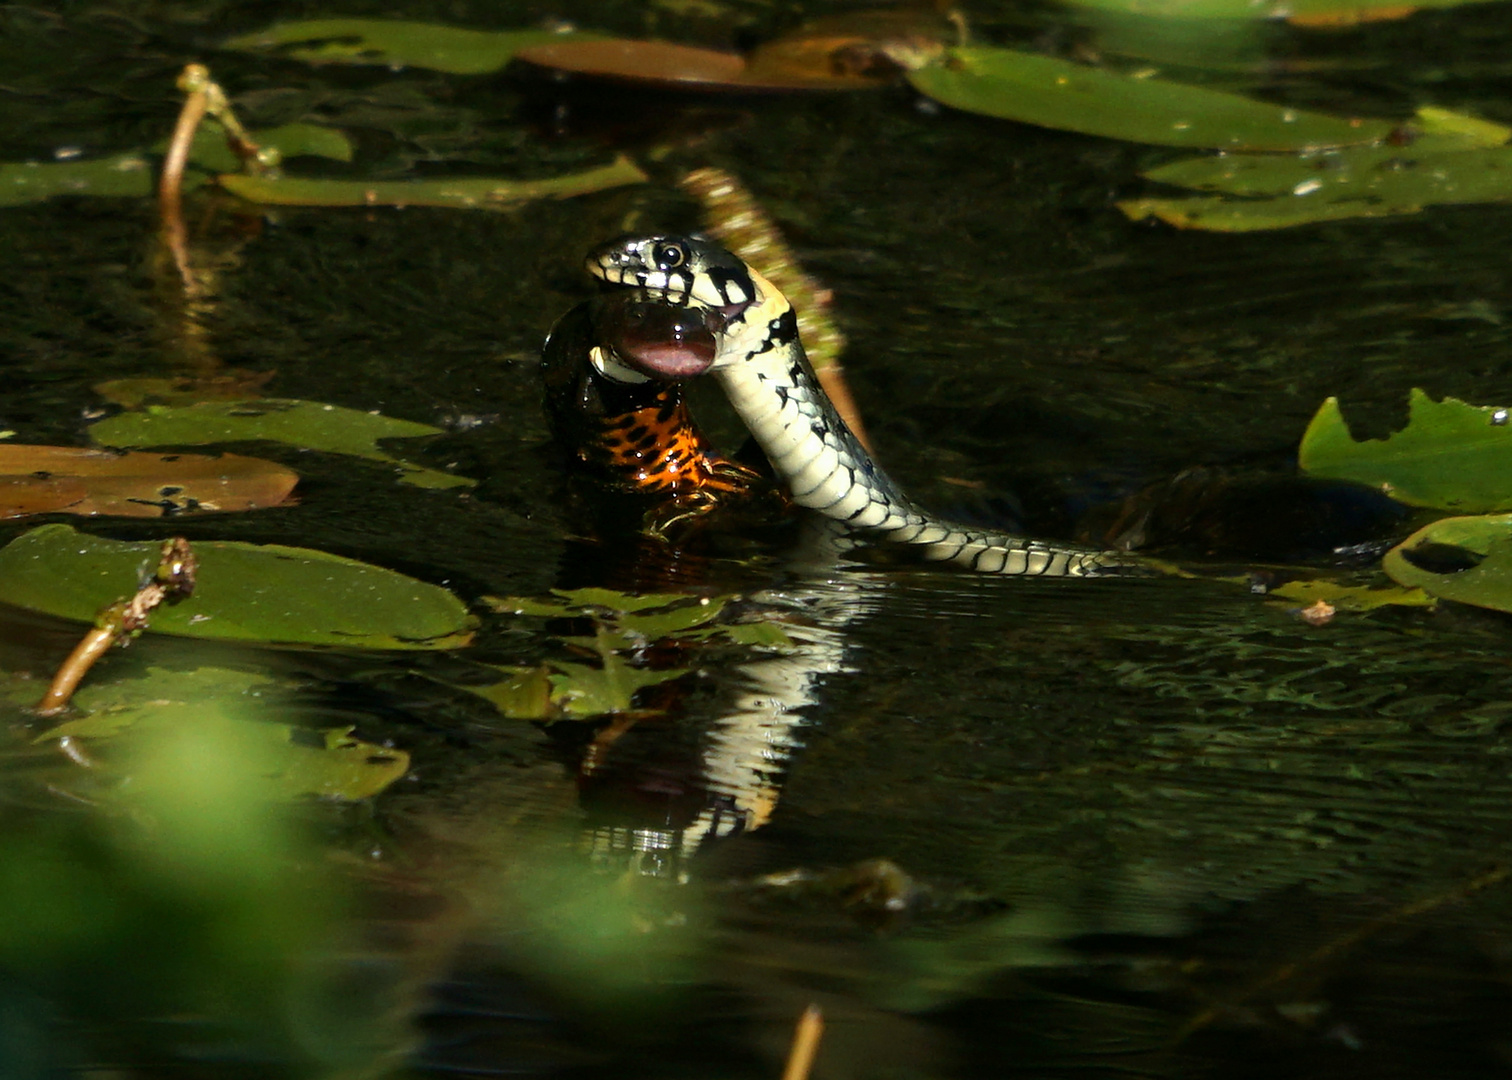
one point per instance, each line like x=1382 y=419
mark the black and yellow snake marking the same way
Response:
x=759 y=361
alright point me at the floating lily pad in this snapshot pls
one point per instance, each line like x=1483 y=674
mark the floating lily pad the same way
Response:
x=1365 y=182
x=1349 y=597
x=77 y=480
x=1483 y=576
x=1056 y=93
x=309 y=425
x=681 y=67
x=245 y=592
x=1307 y=11
x=290 y=761
x=463 y=193
x=1451 y=455
x=396 y=43
x=134 y=174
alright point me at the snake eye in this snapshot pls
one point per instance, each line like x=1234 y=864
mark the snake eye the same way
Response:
x=669 y=256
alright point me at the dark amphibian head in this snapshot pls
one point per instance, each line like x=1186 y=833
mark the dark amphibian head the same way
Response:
x=658 y=340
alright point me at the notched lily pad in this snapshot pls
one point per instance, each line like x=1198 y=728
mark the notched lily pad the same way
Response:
x=1450 y=456
x=1056 y=93
x=78 y=480
x=463 y=193
x=308 y=425
x=1467 y=559
x=396 y=43
x=246 y=592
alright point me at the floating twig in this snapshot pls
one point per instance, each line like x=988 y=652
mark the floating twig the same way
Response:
x=119 y=622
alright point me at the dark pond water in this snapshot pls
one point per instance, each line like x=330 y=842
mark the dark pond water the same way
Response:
x=1156 y=828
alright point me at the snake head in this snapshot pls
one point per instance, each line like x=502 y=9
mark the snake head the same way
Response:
x=679 y=270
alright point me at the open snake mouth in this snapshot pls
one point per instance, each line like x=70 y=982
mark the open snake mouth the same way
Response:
x=658 y=339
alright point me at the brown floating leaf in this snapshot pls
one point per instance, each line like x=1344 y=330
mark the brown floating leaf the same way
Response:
x=662 y=63
x=78 y=480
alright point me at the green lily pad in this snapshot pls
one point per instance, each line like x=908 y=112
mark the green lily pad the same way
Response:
x=245 y=592
x=581 y=690
x=1450 y=456
x=395 y=43
x=134 y=174
x=1485 y=580
x=291 y=762
x=462 y=193
x=1349 y=597
x=1059 y=94
x=1357 y=182
x=308 y=425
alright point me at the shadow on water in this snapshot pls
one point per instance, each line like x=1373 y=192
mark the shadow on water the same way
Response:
x=993 y=827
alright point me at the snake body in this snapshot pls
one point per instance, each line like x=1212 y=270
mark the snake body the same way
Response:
x=740 y=328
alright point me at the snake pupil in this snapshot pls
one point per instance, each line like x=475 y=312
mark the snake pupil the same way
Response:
x=669 y=256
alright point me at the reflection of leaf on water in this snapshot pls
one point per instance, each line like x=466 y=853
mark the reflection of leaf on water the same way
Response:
x=623 y=622
x=1467 y=559
x=1454 y=159
x=1056 y=93
x=133 y=174
x=290 y=761
x=396 y=43
x=309 y=425
x=77 y=480
x=1450 y=456
x=461 y=193
x=245 y=592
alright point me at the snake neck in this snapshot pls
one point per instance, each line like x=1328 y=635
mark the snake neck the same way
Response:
x=768 y=378
x=746 y=335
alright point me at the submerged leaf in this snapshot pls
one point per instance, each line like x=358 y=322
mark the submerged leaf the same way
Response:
x=396 y=43
x=1451 y=455
x=78 y=480
x=1059 y=94
x=463 y=193
x=1482 y=576
x=308 y=425
x=245 y=592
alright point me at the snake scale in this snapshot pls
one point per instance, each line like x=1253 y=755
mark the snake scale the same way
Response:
x=689 y=307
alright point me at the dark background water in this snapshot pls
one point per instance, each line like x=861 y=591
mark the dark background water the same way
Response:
x=1157 y=828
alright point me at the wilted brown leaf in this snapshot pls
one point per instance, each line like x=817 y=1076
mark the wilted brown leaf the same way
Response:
x=78 y=480
x=663 y=63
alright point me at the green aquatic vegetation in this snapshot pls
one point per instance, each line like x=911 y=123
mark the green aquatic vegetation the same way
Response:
x=1057 y=93
x=1468 y=559
x=461 y=193
x=624 y=626
x=245 y=592
x=133 y=174
x=1450 y=456
x=1450 y=159
x=397 y=43
x=115 y=717
x=309 y=425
